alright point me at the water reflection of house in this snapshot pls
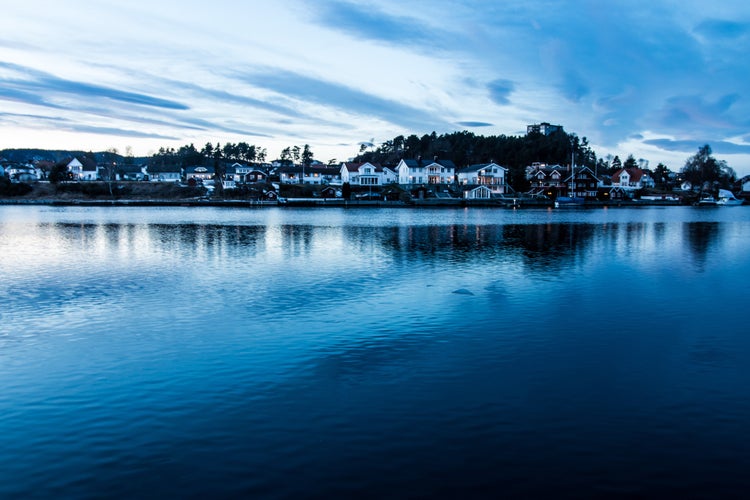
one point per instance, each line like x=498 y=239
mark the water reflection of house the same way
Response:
x=491 y=175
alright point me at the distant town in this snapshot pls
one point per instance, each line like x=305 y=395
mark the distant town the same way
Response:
x=545 y=166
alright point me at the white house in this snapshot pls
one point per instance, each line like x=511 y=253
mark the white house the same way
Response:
x=75 y=167
x=632 y=178
x=491 y=175
x=164 y=173
x=366 y=174
x=478 y=193
x=321 y=174
x=419 y=171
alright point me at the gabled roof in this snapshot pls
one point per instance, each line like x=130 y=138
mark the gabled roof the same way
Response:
x=580 y=170
x=355 y=166
x=478 y=167
x=635 y=174
x=419 y=163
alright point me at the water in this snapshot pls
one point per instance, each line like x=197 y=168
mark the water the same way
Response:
x=281 y=353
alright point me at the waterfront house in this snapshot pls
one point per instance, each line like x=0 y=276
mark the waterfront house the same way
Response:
x=164 y=173
x=199 y=173
x=290 y=174
x=321 y=174
x=366 y=174
x=632 y=178
x=411 y=172
x=545 y=179
x=89 y=170
x=478 y=193
x=611 y=193
x=252 y=176
x=20 y=172
x=583 y=183
x=75 y=168
x=130 y=172
x=491 y=175
x=311 y=174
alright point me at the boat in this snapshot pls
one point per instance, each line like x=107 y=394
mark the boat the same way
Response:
x=568 y=201
x=707 y=201
x=727 y=199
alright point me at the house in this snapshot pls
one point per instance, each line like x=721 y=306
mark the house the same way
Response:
x=632 y=178
x=89 y=170
x=491 y=175
x=164 y=173
x=199 y=173
x=478 y=193
x=130 y=172
x=545 y=179
x=366 y=174
x=20 y=172
x=583 y=183
x=311 y=174
x=330 y=192
x=75 y=168
x=411 y=172
x=289 y=174
x=321 y=174
x=252 y=176
x=611 y=193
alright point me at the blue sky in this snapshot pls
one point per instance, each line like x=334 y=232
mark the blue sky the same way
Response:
x=656 y=79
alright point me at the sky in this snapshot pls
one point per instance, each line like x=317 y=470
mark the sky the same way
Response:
x=656 y=79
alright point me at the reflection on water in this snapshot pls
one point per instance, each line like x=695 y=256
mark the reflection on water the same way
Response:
x=202 y=352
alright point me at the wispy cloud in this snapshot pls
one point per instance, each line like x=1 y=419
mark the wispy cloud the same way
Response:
x=350 y=100
x=719 y=147
x=40 y=82
x=368 y=21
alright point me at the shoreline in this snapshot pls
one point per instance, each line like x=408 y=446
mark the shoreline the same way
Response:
x=513 y=203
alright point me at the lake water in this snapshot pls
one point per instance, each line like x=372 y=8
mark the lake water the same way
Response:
x=282 y=353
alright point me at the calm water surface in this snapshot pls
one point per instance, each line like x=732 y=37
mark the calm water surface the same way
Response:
x=283 y=353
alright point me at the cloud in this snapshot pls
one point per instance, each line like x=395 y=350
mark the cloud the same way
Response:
x=500 y=90
x=335 y=95
x=719 y=147
x=60 y=123
x=371 y=23
x=474 y=124
x=695 y=112
x=36 y=81
x=225 y=96
x=119 y=132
